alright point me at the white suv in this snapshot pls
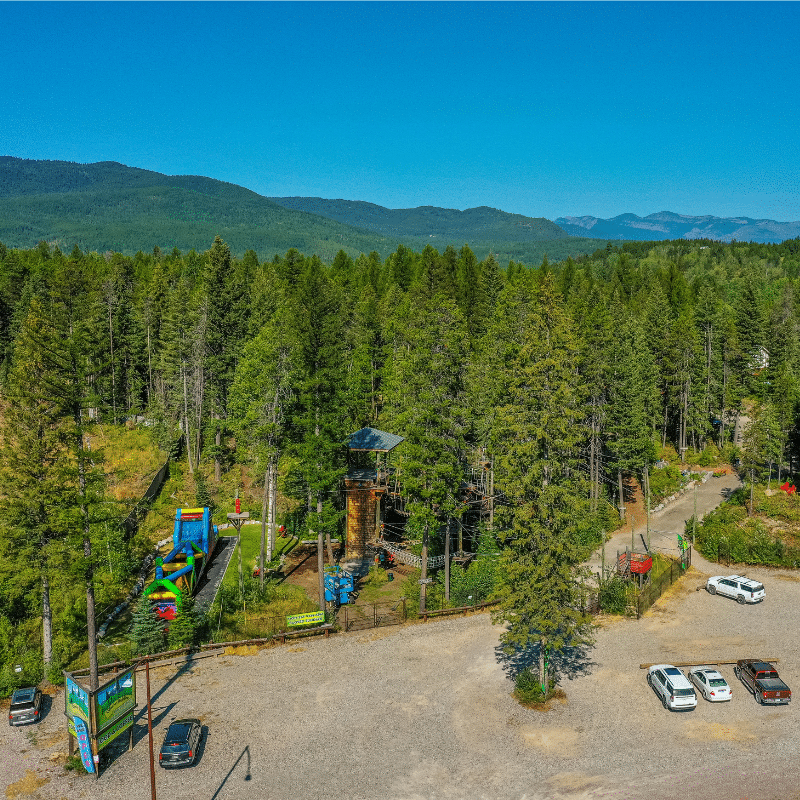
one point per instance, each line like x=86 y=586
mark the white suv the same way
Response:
x=741 y=589
x=672 y=686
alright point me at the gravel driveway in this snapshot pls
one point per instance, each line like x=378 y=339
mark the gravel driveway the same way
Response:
x=424 y=711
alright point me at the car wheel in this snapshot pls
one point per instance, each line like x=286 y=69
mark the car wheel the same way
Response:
x=757 y=696
x=664 y=703
x=712 y=589
x=740 y=599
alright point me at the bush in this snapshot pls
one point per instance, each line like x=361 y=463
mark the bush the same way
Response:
x=728 y=534
x=613 y=596
x=664 y=482
x=528 y=687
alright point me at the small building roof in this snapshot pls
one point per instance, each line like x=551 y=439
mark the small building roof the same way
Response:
x=372 y=440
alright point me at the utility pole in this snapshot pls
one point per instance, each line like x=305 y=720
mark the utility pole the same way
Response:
x=150 y=731
x=237 y=519
x=447 y=561
x=647 y=499
x=423 y=580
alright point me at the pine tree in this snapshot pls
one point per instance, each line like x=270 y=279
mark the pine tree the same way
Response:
x=185 y=628
x=628 y=426
x=261 y=405
x=33 y=460
x=430 y=414
x=538 y=437
x=147 y=630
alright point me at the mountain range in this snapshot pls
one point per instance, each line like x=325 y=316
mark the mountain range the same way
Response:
x=666 y=225
x=107 y=206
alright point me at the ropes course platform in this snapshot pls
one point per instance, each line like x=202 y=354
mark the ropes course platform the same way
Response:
x=402 y=556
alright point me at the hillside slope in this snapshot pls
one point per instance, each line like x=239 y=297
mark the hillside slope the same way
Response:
x=109 y=206
x=474 y=224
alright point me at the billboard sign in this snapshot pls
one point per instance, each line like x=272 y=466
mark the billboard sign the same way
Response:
x=77 y=700
x=115 y=699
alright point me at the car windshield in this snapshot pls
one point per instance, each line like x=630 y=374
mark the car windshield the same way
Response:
x=21 y=706
x=672 y=671
x=174 y=747
x=757 y=588
x=683 y=692
x=717 y=682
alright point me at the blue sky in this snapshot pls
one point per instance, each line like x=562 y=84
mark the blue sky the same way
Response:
x=542 y=109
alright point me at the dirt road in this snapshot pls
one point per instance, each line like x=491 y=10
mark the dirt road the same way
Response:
x=667 y=523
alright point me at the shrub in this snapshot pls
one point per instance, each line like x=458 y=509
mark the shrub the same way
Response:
x=528 y=687
x=664 y=482
x=613 y=596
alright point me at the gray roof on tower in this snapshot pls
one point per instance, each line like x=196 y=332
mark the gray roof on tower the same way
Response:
x=371 y=439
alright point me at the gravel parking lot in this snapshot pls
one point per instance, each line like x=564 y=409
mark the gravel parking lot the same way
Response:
x=425 y=712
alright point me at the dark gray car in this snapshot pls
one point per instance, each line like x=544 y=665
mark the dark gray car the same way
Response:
x=181 y=743
x=26 y=706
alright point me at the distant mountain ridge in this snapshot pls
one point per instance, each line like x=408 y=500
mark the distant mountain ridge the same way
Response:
x=107 y=206
x=668 y=225
x=473 y=224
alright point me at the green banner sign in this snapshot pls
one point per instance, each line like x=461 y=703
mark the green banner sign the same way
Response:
x=108 y=735
x=306 y=619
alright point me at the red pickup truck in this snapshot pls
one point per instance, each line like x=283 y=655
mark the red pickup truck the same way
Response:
x=763 y=681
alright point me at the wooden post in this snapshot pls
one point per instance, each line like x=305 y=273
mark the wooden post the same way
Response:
x=423 y=586
x=491 y=495
x=150 y=732
x=647 y=499
x=447 y=561
x=264 y=515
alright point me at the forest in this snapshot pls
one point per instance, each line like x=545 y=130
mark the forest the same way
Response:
x=573 y=378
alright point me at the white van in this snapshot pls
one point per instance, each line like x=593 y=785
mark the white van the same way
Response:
x=673 y=687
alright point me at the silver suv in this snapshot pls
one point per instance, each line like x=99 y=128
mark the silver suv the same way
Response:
x=741 y=589
x=672 y=686
x=26 y=706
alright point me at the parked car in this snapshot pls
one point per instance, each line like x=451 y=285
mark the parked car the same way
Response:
x=762 y=679
x=26 y=706
x=741 y=589
x=711 y=684
x=671 y=685
x=181 y=743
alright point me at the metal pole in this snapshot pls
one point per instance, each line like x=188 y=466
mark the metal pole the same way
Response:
x=150 y=732
x=647 y=493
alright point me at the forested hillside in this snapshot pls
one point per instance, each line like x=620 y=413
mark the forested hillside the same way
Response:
x=474 y=224
x=571 y=377
x=111 y=207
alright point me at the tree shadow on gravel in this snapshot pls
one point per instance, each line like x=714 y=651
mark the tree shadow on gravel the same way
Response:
x=570 y=663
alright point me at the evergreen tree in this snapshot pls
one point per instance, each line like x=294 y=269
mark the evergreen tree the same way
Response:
x=185 y=628
x=628 y=426
x=538 y=439
x=430 y=414
x=34 y=460
x=147 y=631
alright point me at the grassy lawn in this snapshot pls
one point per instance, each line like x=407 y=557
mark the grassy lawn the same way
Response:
x=251 y=547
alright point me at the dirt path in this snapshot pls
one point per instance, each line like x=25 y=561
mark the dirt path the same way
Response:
x=667 y=523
